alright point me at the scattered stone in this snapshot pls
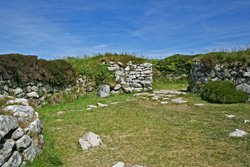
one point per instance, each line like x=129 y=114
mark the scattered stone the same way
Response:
x=230 y=116
x=119 y=164
x=164 y=102
x=238 y=133
x=246 y=121
x=165 y=98
x=90 y=140
x=60 y=113
x=155 y=98
x=104 y=91
x=114 y=103
x=102 y=105
x=199 y=104
x=179 y=100
x=89 y=109
x=91 y=106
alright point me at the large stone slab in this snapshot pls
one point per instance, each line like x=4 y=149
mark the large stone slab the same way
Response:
x=90 y=140
x=104 y=91
x=20 y=110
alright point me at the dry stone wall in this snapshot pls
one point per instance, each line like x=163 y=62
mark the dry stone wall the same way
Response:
x=21 y=138
x=132 y=77
x=238 y=73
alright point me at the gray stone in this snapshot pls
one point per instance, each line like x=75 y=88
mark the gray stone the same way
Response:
x=164 y=102
x=199 y=104
x=7 y=124
x=20 y=111
x=238 y=133
x=90 y=140
x=246 y=121
x=21 y=101
x=30 y=153
x=23 y=142
x=179 y=100
x=33 y=95
x=14 y=161
x=119 y=164
x=18 y=133
x=35 y=127
x=117 y=87
x=230 y=116
x=17 y=91
x=246 y=74
x=102 y=105
x=244 y=87
x=92 y=106
x=6 y=150
x=104 y=91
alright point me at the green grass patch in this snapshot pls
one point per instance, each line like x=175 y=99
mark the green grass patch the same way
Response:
x=144 y=132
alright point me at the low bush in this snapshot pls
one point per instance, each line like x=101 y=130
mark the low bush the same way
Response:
x=23 y=69
x=223 y=92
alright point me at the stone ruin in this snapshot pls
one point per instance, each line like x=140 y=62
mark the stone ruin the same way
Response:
x=21 y=138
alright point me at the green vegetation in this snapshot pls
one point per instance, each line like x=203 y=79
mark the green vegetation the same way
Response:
x=23 y=69
x=95 y=67
x=212 y=58
x=144 y=132
x=223 y=92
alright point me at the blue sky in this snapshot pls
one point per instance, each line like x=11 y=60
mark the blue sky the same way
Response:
x=150 y=28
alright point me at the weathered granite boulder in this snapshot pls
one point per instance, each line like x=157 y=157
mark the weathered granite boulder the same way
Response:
x=104 y=91
x=90 y=140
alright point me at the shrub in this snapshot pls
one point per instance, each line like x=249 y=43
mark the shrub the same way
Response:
x=23 y=69
x=223 y=92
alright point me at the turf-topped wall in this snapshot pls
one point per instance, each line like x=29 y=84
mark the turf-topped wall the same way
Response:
x=35 y=79
x=234 y=66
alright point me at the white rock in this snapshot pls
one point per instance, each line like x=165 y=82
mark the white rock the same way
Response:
x=21 y=101
x=23 y=142
x=20 y=111
x=137 y=166
x=18 y=133
x=102 y=105
x=230 y=116
x=114 y=103
x=179 y=100
x=33 y=94
x=104 y=91
x=92 y=106
x=88 y=109
x=164 y=102
x=246 y=121
x=90 y=140
x=199 y=104
x=119 y=164
x=117 y=87
x=238 y=133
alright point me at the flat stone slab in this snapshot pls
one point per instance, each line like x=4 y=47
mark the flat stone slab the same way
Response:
x=102 y=105
x=230 y=116
x=246 y=121
x=199 y=104
x=90 y=140
x=92 y=106
x=164 y=102
x=170 y=92
x=179 y=100
x=238 y=133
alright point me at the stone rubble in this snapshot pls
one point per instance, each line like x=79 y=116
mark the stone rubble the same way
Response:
x=230 y=116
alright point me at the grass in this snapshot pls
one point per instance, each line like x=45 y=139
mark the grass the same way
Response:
x=141 y=131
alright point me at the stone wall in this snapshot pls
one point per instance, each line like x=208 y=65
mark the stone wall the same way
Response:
x=132 y=77
x=238 y=73
x=37 y=92
x=21 y=138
